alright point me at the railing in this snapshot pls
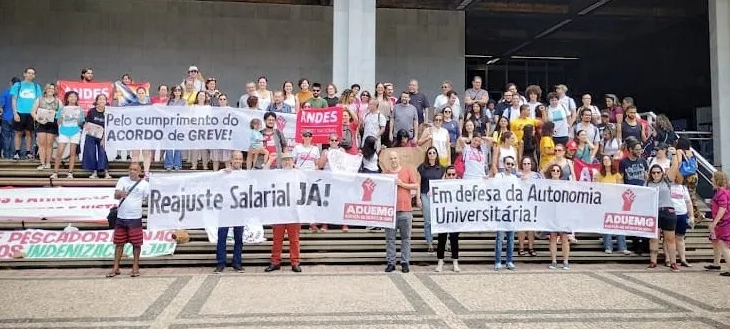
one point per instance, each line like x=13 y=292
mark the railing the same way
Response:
x=701 y=142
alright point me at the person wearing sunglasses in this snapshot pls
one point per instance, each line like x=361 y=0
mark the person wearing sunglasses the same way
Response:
x=508 y=176
x=555 y=172
x=429 y=170
x=450 y=173
x=317 y=101
x=333 y=151
x=527 y=171
x=667 y=215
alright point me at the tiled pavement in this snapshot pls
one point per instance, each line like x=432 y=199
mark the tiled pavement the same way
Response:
x=359 y=297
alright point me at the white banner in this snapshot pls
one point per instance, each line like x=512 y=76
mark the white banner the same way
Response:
x=56 y=203
x=216 y=199
x=156 y=127
x=543 y=205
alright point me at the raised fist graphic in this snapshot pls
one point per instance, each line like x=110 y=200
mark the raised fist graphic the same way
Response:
x=280 y=123
x=368 y=187
x=628 y=198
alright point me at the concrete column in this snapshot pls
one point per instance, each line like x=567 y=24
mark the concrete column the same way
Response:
x=720 y=67
x=353 y=43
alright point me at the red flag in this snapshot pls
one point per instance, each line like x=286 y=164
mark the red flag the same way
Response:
x=584 y=172
x=321 y=122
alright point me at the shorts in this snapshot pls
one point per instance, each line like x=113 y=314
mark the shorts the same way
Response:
x=47 y=128
x=73 y=139
x=26 y=122
x=667 y=219
x=128 y=231
x=682 y=225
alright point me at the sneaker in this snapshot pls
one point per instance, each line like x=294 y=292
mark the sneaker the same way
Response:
x=70 y=175
x=41 y=167
x=497 y=267
x=553 y=265
x=238 y=269
x=48 y=166
x=712 y=267
x=29 y=156
x=218 y=270
x=726 y=273
x=456 y=266
x=107 y=176
x=651 y=266
x=626 y=252
x=685 y=264
x=566 y=266
x=16 y=156
x=674 y=267
x=168 y=169
x=439 y=266
x=94 y=176
x=608 y=251
x=54 y=176
x=511 y=266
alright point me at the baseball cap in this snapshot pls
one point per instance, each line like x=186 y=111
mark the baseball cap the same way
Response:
x=571 y=145
x=192 y=68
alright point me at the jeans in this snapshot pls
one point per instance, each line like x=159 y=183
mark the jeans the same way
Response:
x=220 y=249
x=173 y=159
x=403 y=220
x=8 y=143
x=608 y=242
x=498 y=247
x=426 y=203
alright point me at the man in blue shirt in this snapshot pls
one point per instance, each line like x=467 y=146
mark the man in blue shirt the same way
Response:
x=26 y=97
x=6 y=134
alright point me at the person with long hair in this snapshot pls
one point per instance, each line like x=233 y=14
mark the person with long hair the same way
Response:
x=429 y=170
x=46 y=128
x=720 y=225
x=385 y=107
x=402 y=139
x=505 y=148
x=201 y=99
x=610 y=144
x=289 y=97
x=439 y=137
x=662 y=157
x=70 y=118
x=220 y=155
x=502 y=127
x=528 y=144
x=467 y=133
x=608 y=174
x=566 y=165
x=555 y=172
x=304 y=94
x=162 y=96
x=449 y=173
x=475 y=158
x=585 y=150
x=661 y=181
x=369 y=156
x=95 y=158
x=547 y=145
x=331 y=95
x=684 y=149
x=475 y=114
x=685 y=219
x=173 y=158
x=528 y=171
x=452 y=126
x=349 y=130
x=265 y=96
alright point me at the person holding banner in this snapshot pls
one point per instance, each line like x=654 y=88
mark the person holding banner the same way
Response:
x=201 y=99
x=322 y=162
x=508 y=176
x=403 y=214
x=555 y=172
x=429 y=170
x=46 y=128
x=220 y=248
x=291 y=230
x=173 y=158
x=219 y=155
x=450 y=173
x=634 y=170
x=608 y=174
x=274 y=141
x=95 y=158
x=70 y=118
x=661 y=180
x=528 y=171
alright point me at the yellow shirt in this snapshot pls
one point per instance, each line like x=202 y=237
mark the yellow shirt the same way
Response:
x=303 y=96
x=609 y=178
x=546 y=146
x=190 y=97
x=516 y=126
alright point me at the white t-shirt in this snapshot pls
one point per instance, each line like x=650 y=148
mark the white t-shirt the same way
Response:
x=371 y=164
x=680 y=197
x=505 y=152
x=510 y=178
x=665 y=164
x=131 y=208
x=305 y=157
x=559 y=116
x=568 y=103
x=442 y=100
x=474 y=162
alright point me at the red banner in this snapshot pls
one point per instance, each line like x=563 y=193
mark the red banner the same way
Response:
x=321 y=122
x=87 y=91
x=584 y=172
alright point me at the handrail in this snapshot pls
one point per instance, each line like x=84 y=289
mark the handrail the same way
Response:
x=651 y=116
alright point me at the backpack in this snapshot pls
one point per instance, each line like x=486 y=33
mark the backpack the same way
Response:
x=346 y=141
x=688 y=166
x=38 y=89
x=459 y=165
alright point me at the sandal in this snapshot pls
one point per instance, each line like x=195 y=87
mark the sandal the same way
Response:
x=134 y=274
x=532 y=252
x=113 y=274
x=521 y=253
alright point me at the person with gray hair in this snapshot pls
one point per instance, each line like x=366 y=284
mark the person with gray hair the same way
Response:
x=403 y=214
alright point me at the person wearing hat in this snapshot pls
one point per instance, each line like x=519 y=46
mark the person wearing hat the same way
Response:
x=604 y=122
x=291 y=230
x=195 y=75
x=571 y=147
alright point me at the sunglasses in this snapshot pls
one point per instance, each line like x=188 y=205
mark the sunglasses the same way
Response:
x=334 y=140
x=447 y=111
x=450 y=175
x=430 y=153
x=306 y=135
x=555 y=170
x=193 y=71
x=510 y=164
x=315 y=90
x=437 y=120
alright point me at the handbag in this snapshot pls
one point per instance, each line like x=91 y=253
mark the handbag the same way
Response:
x=688 y=166
x=111 y=218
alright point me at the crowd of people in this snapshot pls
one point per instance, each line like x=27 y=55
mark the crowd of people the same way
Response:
x=520 y=136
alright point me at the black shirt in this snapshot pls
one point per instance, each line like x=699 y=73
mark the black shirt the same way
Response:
x=332 y=101
x=429 y=173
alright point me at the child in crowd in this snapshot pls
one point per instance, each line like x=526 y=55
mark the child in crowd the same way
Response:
x=257 y=144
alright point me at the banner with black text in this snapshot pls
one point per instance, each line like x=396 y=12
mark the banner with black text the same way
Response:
x=156 y=127
x=219 y=199
x=543 y=205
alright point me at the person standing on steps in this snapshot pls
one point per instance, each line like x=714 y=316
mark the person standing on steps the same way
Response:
x=131 y=191
x=453 y=237
x=292 y=230
x=220 y=254
x=403 y=214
